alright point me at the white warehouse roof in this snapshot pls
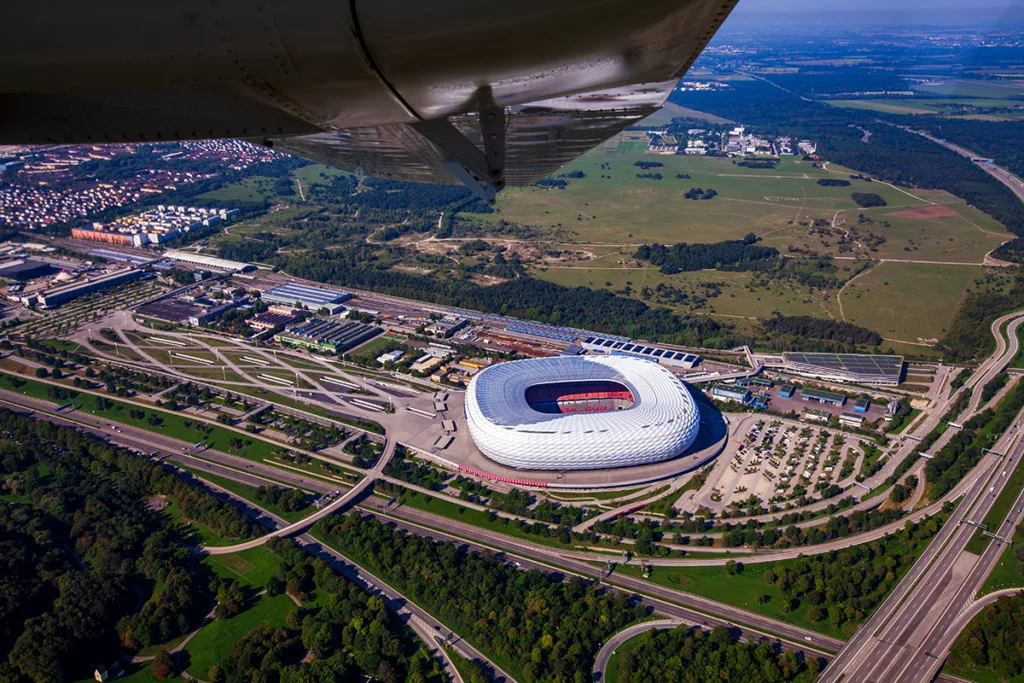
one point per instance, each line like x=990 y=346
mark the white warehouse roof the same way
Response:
x=659 y=422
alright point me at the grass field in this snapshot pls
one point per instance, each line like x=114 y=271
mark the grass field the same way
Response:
x=251 y=568
x=741 y=590
x=972 y=88
x=1007 y=572
x=997 y=514
x=953 y=107
x=907 y=301
x=622 y=209
x=253 y=189
x=605 y=216
x=215 y=640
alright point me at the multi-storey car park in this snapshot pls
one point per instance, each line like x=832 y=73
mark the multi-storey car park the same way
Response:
x=580 y=413
x=326 y=335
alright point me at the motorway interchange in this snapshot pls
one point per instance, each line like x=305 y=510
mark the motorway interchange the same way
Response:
x=905 y=640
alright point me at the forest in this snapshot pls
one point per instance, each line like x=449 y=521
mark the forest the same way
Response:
x=1002 y=141
x=77 y=539
x=682 y=257
x=866 y=200
x=846 y=585
x=691 y=655
x=968 y=335
x=818 y=328
x=524 y=297
x=533 y=625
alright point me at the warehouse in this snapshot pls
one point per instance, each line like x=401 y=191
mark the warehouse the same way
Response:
x=819 y=396
x=60 y=295
x=725 y=392
x=327 y=336
x=304 y=296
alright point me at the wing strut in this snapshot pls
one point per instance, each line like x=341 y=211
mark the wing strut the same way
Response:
x=482 y=172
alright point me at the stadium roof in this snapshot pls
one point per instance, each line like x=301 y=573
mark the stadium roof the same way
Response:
x=853 y=363
x=661 y=424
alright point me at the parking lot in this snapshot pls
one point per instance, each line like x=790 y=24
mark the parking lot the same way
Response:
x=779 y=462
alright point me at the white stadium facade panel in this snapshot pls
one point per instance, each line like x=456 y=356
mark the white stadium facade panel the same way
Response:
x=654 y=417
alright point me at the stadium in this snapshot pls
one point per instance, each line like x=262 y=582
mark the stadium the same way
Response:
x=580 y=413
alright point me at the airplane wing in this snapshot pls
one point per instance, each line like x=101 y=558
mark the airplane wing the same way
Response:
x=540 y=137
x=488 y=94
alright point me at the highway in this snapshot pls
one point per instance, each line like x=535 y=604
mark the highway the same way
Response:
x=426 y=626
x=898 y=643
x=1015 y=184
x=681 y=605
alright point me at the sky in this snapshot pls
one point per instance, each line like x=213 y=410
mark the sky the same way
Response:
x=874 y=12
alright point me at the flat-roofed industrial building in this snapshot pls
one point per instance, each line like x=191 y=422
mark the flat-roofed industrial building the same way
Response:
x=304 y=296
x=730 y=393
x=327 y=335
x=56 y=296
x=819 y=396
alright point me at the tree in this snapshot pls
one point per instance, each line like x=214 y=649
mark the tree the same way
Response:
x=163 y=666
x=42 y=373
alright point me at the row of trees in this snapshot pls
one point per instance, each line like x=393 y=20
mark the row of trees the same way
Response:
x=289 y=500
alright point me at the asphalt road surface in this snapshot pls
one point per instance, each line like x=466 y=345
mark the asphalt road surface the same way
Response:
x=898 y=644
